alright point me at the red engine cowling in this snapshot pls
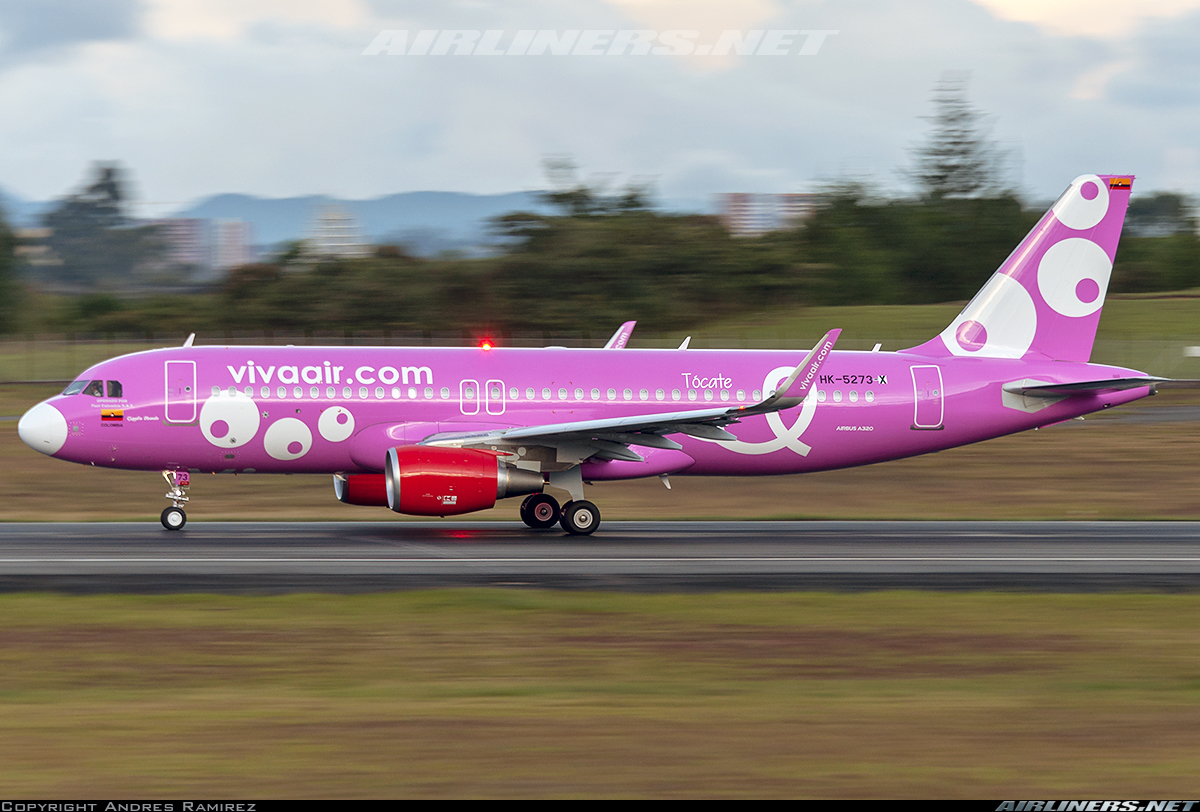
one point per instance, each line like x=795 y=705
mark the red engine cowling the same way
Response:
x=426 y=480
x=361 y=489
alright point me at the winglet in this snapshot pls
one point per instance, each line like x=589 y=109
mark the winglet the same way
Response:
x=794 y=389
x=621 y=337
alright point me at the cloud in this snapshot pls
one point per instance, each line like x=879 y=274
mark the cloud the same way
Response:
x=276 y=98
x=35 y=27
x=1163 y=70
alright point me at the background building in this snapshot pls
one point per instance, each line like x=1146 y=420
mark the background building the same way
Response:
x=336 y=234
x=748 y=215
x=207 y=247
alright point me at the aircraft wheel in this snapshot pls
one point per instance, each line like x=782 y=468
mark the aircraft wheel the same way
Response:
x=580 y=518
x=539 y=511
x=174 y=518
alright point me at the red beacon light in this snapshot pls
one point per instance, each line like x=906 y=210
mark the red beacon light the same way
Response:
x=486 y=344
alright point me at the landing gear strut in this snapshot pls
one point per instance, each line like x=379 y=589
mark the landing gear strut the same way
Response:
x=539 y=511
x=173 y=518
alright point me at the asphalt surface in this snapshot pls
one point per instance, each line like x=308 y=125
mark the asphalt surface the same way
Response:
x=268 y=557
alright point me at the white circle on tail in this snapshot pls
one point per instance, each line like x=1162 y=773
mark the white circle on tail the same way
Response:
x=1073 y=276
x=287 y=439
x=1000 y=322
x=336 y=424
x=1084 y=204
x=229 y=420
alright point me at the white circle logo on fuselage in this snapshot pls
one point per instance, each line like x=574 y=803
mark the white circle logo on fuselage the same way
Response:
x=784 y=437
x=229 y=420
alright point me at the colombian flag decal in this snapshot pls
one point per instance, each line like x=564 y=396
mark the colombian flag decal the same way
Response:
x=1120 y=183
x=112 y=415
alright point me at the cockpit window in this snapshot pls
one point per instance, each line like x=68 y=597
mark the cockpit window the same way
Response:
x=75 y=388
x=95 y=389
x=114 y=389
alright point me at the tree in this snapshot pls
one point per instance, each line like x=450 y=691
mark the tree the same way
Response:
x=9 y=287
x=95 y=238
x=1159 y=215
x=576 y=199
x=959 y=160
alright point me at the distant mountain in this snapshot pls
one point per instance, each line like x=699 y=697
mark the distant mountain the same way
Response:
x=425 y=222
x=428 y=221
x=20 y=212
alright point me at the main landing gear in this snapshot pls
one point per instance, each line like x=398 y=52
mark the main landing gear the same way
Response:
x=578 y=517
x=540 y=511
x=173 y=518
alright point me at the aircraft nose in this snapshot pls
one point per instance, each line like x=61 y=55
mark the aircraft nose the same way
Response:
x=43 y=428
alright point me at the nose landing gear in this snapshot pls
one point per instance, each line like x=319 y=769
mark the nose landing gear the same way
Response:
x=173 y=518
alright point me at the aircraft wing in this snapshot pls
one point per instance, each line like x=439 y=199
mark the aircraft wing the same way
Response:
x=1044 y=389
x=610 y=438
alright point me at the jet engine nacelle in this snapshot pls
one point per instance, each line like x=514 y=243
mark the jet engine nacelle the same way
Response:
x=361 y=489
x=423 y=480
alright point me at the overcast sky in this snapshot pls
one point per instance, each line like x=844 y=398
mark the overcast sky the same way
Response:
x=275 y=97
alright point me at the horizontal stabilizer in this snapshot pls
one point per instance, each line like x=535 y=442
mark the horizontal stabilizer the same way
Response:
x=1044 y=389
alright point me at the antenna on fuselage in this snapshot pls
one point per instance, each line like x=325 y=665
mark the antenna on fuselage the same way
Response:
x=190 y=339
x=685 y=343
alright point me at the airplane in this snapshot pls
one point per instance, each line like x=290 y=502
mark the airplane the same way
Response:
x=447 y=431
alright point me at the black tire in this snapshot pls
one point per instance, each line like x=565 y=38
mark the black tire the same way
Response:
x=580 y=518
x=173 y=518
x=540 y=510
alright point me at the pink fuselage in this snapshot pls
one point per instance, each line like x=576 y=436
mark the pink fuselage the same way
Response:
x=260 y=409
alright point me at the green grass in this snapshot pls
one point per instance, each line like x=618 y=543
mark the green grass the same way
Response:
x=528 y=693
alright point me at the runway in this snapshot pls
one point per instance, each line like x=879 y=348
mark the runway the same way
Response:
x=271 y=557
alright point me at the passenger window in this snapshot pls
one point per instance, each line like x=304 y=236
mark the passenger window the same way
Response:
x=114 y=389
x=95 y=389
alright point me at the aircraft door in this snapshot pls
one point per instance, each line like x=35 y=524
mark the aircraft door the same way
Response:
x=495 y=397
x=468 y=396
x=180 y=391
x=929 y=410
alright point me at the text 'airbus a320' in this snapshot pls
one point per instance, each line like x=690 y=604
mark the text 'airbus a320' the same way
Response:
x=446 y=431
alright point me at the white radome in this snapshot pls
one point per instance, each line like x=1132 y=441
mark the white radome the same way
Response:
x=43 y=428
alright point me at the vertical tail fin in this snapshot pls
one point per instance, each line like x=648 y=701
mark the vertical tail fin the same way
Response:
x=1044 y=301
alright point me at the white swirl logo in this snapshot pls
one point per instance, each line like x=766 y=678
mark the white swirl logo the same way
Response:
x=784 y=437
